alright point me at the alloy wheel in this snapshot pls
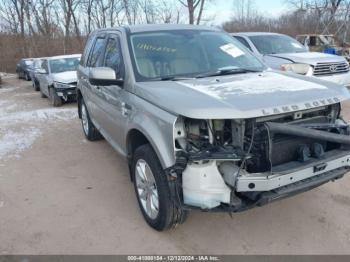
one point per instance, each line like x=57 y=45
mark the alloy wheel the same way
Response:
x=147 y=189
x=84 y=119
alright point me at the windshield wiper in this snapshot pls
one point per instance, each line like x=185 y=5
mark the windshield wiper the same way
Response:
x=171 y=78
x=228 y=71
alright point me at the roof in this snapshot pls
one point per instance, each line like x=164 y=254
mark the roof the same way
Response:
x=160 y=27
x=63 y=56
x=253 y=33
x=314 y=35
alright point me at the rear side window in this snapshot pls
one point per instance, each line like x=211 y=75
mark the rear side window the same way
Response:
x=96 y=53
x=113 y=57
x=243 y=41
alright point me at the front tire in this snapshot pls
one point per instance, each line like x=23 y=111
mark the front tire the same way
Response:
x=26 y=77
x=42 y=95
x=36 y=86
x=90 y=131
x=55 y=100
x=153 y=192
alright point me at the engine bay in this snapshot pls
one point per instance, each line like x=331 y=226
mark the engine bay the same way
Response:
x=212 y=154
x=253 y=141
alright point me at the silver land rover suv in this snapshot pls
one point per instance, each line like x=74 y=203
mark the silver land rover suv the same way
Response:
x=204 y=124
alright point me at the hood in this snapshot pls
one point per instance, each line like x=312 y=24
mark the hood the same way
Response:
x=311 y=58
x=241 y=96
x=65 y=77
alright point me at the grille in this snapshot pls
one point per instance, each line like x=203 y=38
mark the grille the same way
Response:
x=331 y=68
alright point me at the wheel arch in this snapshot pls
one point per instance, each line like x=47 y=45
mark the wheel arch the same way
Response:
x=137 y=137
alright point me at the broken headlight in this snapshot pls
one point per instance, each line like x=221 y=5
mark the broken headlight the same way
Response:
x=302 y=69
x=61 y=85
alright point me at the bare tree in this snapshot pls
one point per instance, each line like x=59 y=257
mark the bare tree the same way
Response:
x=69 y=8
x=193 y=6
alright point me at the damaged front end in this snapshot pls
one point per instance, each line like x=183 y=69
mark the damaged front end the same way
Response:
x=235 y=164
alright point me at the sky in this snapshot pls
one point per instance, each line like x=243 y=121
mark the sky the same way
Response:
x=223 y=9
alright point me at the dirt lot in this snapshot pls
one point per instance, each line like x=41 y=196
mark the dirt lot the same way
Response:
x=60 y=194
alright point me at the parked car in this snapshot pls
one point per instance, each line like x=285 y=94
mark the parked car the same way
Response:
x=282 y=52
x=325 y=43
x=33 y=72
x=22 y=68
x=58 y=79
x=204 y=124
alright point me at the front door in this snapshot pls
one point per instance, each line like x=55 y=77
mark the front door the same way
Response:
x=43 y=78
x=111 y=98
x=92 y=92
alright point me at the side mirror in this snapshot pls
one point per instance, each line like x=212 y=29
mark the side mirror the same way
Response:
x=104 y=76
x=41 y=71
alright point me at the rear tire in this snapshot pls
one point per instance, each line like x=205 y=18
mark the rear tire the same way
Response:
x=167 y=215
x=55 y=100
x=90 y=131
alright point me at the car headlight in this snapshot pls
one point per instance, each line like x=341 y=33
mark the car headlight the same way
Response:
x=303 y=69
x=61 y=85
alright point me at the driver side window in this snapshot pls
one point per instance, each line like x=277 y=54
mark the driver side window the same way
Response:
x=45 y=66
x=113 y=57
x=96 y=53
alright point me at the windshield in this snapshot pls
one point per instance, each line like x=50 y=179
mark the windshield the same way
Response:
x=327 y=39
x=38 y=63
x=276 y=44
x=64 y=64
x=28 y=62
x=187 y=53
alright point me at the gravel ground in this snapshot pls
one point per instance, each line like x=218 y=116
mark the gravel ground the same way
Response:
x=60 y=194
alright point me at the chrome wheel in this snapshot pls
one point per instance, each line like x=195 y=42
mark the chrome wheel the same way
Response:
x=84 y=119
x=147 y=188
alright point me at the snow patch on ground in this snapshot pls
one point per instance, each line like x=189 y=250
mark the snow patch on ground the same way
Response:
x=25 y=94
x=14 y=138
x=7 y=75
x=12 y=143
x=40 y=115
x=7 y=89
x=6 y=107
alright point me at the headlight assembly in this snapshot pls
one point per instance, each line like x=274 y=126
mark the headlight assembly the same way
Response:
x=61 y=85
x=303 y=69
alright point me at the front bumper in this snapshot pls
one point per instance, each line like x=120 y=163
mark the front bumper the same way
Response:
x=293 y=172
x=341 y=79
x=300 y=187
x=66 y=92
x=204 y=187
